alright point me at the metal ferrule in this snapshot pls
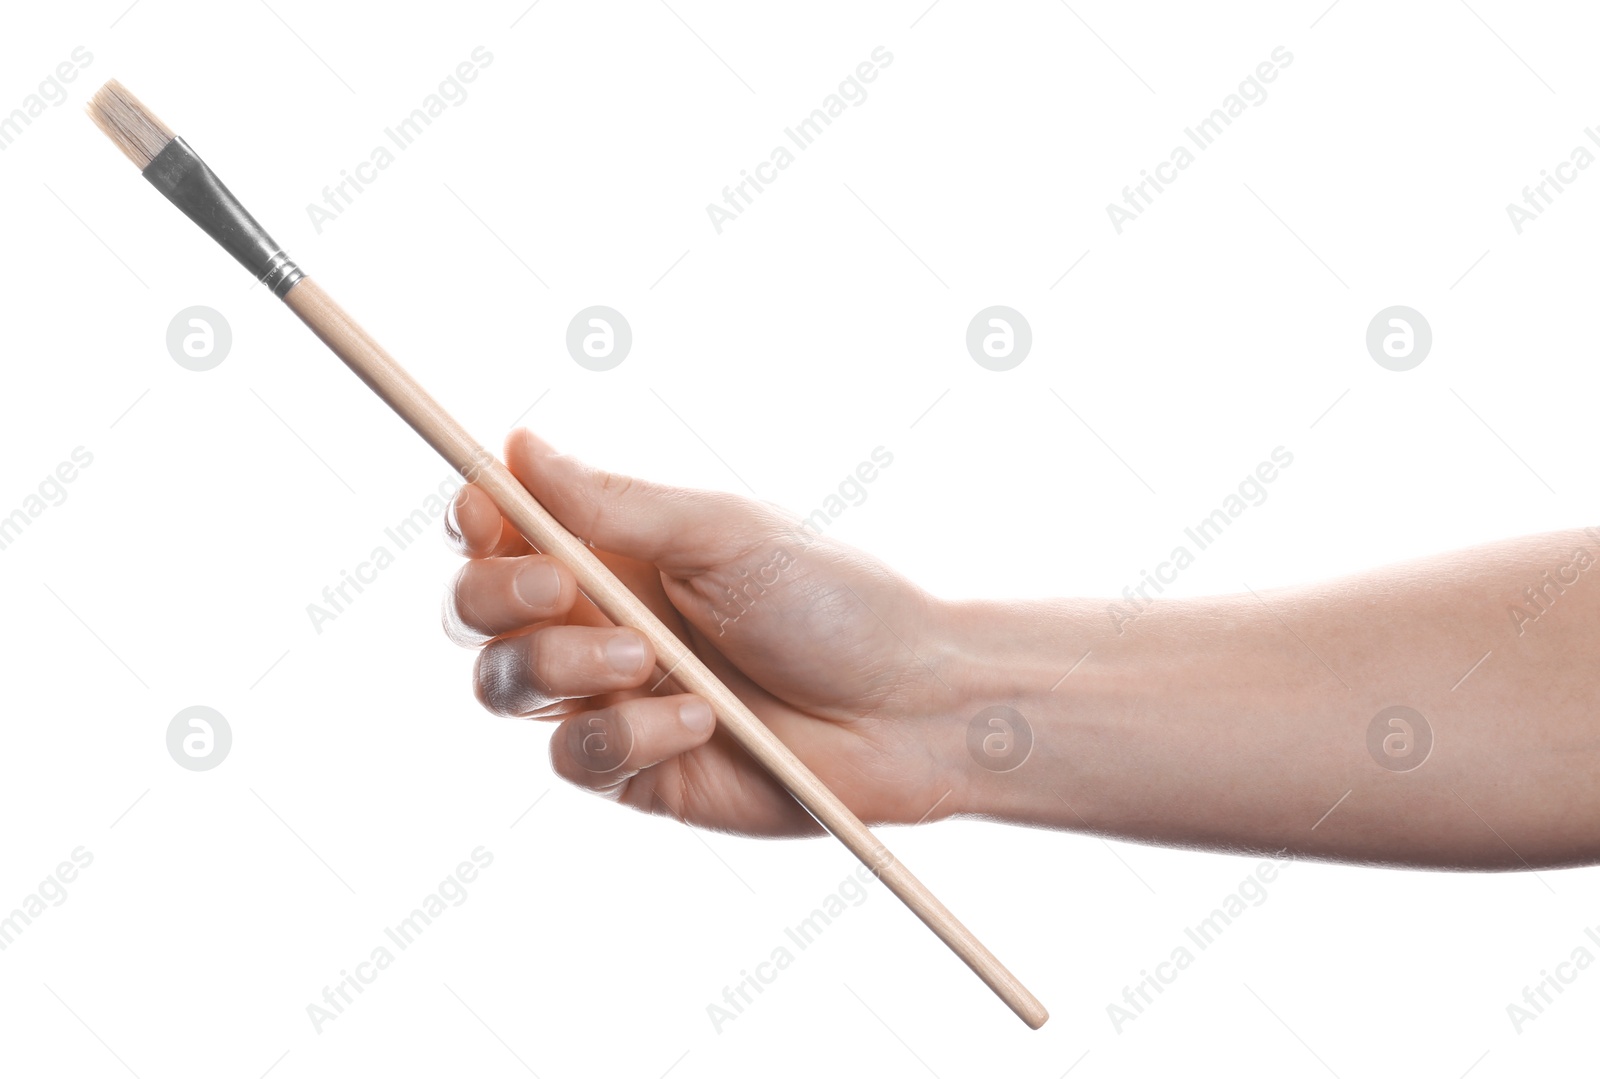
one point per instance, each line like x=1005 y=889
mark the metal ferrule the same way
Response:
x=190 y=185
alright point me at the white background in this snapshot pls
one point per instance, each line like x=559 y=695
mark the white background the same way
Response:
x=826 y=321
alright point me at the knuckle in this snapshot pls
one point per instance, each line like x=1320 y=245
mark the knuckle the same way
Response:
x=541 y=662
x=614 y=484
x=591 y=506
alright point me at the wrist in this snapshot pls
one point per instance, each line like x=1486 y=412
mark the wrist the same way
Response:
x=1022 y=677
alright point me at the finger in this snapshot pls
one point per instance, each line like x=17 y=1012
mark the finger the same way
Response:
x=475 y=528
x=684 y=531
x=491 y=596
x=521 y=675
x=602 y=750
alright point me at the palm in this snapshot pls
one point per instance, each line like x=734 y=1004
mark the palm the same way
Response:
x=823 y=655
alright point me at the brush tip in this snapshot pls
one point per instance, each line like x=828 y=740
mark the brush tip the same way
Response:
x=137 y=131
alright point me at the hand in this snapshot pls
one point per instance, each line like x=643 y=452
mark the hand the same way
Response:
x=833 y=651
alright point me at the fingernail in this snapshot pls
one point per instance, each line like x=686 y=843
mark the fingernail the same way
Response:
x=625 y=653
x=696 y=715
x=538 y=584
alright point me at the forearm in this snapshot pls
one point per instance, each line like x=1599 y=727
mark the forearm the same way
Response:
x=1246 y=722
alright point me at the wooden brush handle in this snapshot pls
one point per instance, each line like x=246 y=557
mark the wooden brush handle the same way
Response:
x=378 y=370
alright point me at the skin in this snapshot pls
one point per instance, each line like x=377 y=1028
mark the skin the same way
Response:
x=1232 y=723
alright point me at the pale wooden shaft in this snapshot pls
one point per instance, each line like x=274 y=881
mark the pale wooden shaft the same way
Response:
x=390 y=381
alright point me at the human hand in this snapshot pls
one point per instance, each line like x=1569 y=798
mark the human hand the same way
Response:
x=837 y=654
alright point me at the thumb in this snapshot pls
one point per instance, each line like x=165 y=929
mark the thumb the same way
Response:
x=681 y=530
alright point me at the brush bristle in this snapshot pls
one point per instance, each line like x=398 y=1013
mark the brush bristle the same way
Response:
x=136 y=130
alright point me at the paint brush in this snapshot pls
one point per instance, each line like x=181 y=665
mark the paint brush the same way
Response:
x=175 y=170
